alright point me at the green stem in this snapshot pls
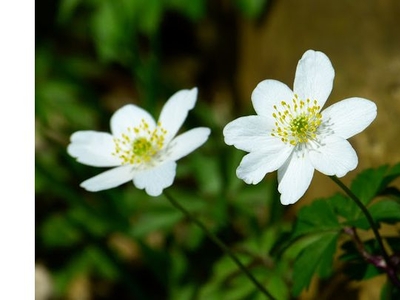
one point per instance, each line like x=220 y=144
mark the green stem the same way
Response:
x=220 y=244
x=367 y=215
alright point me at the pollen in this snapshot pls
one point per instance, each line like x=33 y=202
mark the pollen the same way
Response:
x=296 y=122
x=139 y=145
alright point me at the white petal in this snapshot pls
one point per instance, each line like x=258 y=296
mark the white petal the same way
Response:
x=267 y=93
x=335 y=157
x=176 y=110
x=249 y=133
x=294 y=178
x=314 y=77
x=129 y=116
x=156 y=179
x=187 y=142
x=93 y=148
x=109 y=179
x=349 y=117
x=255 y=165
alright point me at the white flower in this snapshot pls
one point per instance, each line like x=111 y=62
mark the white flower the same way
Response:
x=139 y=148
x=291 y=134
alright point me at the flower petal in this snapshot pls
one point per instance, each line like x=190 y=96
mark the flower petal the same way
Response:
x=255 y=165
x=349 y=117
x=249 y=133
x=294 y=178
x=109 y=179
x=314 y=77
x=93 y=148
x=335 y=157
x=156 y=179
x=187 y=142
x=176 y=110
x=267 y=93
x=129 y=116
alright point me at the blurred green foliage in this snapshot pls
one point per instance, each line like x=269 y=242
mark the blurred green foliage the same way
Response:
x=92 y=57
x=126 y=244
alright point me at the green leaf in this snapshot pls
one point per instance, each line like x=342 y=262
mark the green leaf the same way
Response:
x=391 y=175
x=207 y=173
x=316 y=258
x=178 y=267
x=101 y=262
x=251 y=8
x=182 y=292
x=194 y=9
x=109 y=30
x=228 y=282
x=152 y=221
x=149 y=16
x=57 y=231
x=368 y=184
x=386 y=210
x=277 y=287
x=343 y=206
x=390 y=291
x=67 y=9
x=319 y=216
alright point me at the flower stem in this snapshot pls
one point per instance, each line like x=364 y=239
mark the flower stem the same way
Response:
x=388 y=265
x=220 y=244
x=365 y=211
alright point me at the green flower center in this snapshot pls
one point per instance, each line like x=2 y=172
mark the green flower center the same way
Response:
x=139 y=144
x=296 y=122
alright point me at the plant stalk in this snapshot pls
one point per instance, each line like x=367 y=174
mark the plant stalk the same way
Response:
x=388 y=265
x=220 y=244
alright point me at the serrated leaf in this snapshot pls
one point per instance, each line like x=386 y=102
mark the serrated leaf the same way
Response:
x=315 y=259
x=368 y=183
x=391 y=174
x=385 y=211
x=319 y=216
x=342 y=205
x=391 y=191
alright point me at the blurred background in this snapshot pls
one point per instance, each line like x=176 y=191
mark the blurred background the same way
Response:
x=94 y=56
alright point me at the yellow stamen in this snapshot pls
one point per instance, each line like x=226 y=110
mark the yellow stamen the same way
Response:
x=139 y=144
x=298 y=122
